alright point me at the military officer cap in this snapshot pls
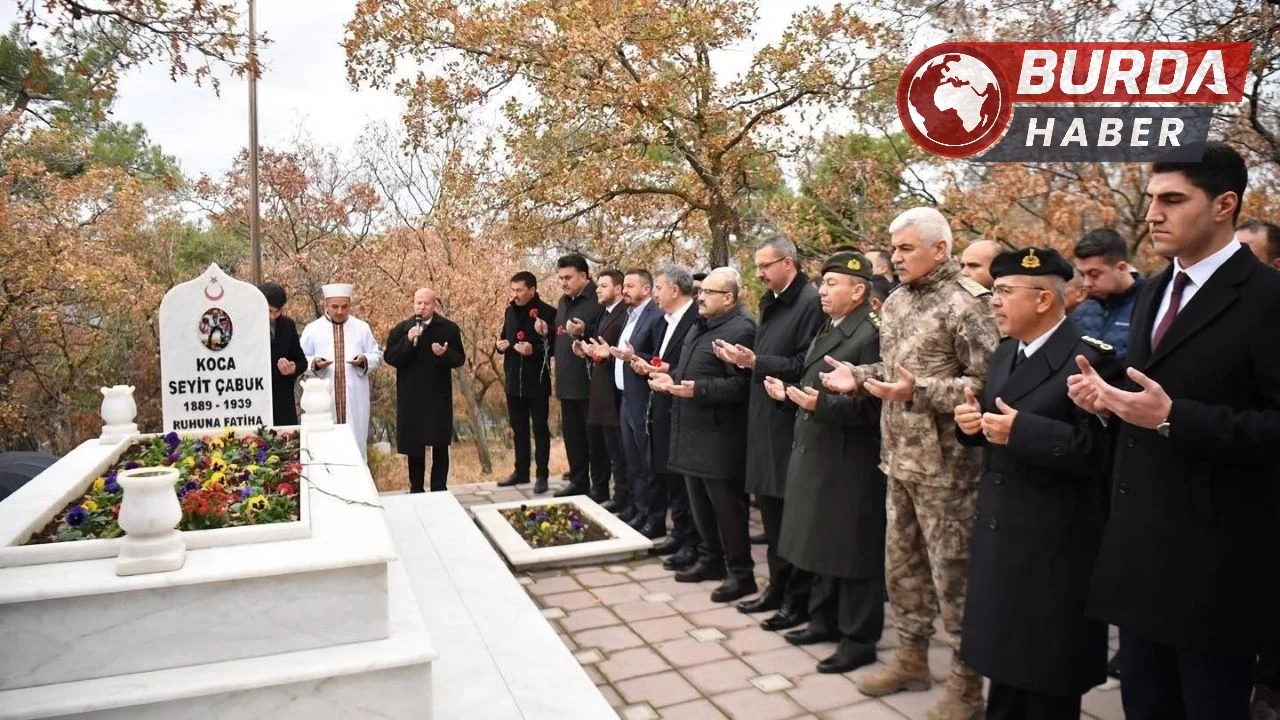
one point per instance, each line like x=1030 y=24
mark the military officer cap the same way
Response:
x=848 y=262
x=1031 y=261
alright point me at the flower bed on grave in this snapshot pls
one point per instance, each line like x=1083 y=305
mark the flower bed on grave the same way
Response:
x=553 y=525
x=225 y=480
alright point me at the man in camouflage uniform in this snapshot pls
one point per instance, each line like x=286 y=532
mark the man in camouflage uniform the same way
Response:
x=936 y=339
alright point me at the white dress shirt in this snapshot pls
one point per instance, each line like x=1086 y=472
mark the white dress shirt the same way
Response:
x=1029 y=349
x=673 y=319
x=1197 y=276
x=633 y=317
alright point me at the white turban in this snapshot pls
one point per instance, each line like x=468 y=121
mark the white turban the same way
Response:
x=338 y=290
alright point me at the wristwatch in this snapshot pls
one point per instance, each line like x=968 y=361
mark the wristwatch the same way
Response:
x=1163 y=428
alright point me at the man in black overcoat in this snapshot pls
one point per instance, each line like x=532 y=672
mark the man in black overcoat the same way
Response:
x=527 y=378
x=833 y=522
x=790 y=316
x=576 y=315
x=1042 y=500
x=1195 y=426
x=287 y=359
x=709 y=430
x=424 y=350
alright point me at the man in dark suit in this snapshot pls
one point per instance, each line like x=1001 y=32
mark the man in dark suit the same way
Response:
x=425 y=350
x=673 y=293
x=833 y=521
x=790 y=316
x=709 y=429
x=287 y=359
x=1042 y=500
x=575 y=316
x=649 y=501
x=527 y=376
x=1195 y=426
x=604 y=400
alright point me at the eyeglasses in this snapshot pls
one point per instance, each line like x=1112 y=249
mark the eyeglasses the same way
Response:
x=771 y=263
x=1007 y=290
x=709 y=291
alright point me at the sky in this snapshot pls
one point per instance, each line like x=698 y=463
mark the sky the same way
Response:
x=303 y=88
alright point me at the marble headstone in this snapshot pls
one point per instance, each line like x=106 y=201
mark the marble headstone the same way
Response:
x=215 y=355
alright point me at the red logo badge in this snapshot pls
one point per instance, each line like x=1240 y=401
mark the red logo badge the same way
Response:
x=954 y=100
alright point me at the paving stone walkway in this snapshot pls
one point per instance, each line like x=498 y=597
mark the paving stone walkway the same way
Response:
x=661 y=650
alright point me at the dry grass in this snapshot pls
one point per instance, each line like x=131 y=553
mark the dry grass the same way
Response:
x=392 y=473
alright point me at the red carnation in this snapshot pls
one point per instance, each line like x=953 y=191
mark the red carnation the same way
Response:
x=533 y=312
x=520 y=335
x=657 y=361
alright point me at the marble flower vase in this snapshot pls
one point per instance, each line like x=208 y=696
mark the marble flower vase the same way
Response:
x=317 y=405
x=118 y=412
x=149 y=515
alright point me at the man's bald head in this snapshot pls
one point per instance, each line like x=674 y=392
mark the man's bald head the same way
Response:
x=975 y=261
x=424 y=303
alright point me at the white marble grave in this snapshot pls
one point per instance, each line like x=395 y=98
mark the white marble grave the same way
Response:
x=626 y=543
x=215 y=355
x=321 y=624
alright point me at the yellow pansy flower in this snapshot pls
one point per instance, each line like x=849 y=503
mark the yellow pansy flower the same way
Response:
x=544 y=526
x=89 y=505
x=99 y=485
x=253 y=469
x=230 y=433
x=273 y=460
x=255 y=503
x=216 y=442
x=233 y=467
x=190 y=461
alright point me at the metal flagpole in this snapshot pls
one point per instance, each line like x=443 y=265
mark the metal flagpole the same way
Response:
x=255 y=240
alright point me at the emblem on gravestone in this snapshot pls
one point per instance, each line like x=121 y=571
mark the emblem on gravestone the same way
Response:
x=215 y=329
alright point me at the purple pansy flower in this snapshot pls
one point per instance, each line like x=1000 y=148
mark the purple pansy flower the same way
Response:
x=172 y=459
x=262 y=455
x=132 y=465
x=76 y=516
x=111 y=485
x=191 y=485
x=171 y=439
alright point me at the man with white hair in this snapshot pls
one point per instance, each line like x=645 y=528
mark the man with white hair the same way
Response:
x=936 y=340
x=341 y=348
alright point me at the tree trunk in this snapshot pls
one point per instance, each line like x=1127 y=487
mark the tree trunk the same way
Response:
x=477 y=428
x=723 y=221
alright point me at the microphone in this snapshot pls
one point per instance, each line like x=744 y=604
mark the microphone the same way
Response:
x=420 y=325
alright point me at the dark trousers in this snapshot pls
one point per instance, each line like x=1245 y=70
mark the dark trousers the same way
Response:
x=852 y=607
x=439 y=469
x=1161 y=682
x=648 y=498
x=1006 y=702
x=577 y=443
x=521 y=412
x=682 y=526
x=793 y=581
x=604 y=441
x=719 y=510
x=1268 y=673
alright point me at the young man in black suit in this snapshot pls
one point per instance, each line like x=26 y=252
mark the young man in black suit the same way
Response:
x=1195 y=426
x=287 y=358
x=1042 y=501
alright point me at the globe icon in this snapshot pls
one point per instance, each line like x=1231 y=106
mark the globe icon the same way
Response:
x=954 y=100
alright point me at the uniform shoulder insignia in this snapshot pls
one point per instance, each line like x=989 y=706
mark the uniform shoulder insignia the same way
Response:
x=974 y=288
x=1102 y=347
x=874 y=317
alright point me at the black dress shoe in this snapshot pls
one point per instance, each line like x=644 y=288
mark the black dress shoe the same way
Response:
x=760 y=539
x=684 y=558
x=599 y=496
x=627 y=514
x=700 y=572
x=810 y=637
x=769 y=600
x=667 y=547
x=653 y=531
x=513 y=480
x=785 y=619
x=611 y=505
x=733 y=589
x=540 y=486
x=637 y=522
x=569 y=491
x=844 y=661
